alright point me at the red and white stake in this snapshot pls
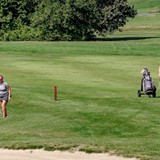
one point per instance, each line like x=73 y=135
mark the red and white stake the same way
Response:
x=55 y=93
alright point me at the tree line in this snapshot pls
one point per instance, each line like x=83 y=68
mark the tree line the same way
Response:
x=54 y=20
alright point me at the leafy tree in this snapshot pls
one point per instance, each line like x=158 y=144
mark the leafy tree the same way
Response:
x=15 y=15
x=65 y=20
x=113 y=15
x=61 y=19
x=80 y=19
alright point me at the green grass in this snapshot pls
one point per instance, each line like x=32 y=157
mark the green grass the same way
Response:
x=98 y=109
x=144 y=24
x=146 y=5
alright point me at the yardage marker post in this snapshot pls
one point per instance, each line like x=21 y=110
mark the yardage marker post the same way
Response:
x=55 y=93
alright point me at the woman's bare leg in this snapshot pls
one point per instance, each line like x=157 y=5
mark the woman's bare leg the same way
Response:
x=4 y=109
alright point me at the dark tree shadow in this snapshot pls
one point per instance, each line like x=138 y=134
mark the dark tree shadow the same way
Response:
x=124 y=38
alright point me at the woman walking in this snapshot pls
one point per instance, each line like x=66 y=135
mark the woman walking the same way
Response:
x=5 y=95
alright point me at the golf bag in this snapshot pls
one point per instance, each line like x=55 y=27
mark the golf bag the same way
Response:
x=147 y=85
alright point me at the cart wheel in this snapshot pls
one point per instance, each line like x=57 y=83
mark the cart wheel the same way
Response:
x=154 y=94
x=139 y=93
